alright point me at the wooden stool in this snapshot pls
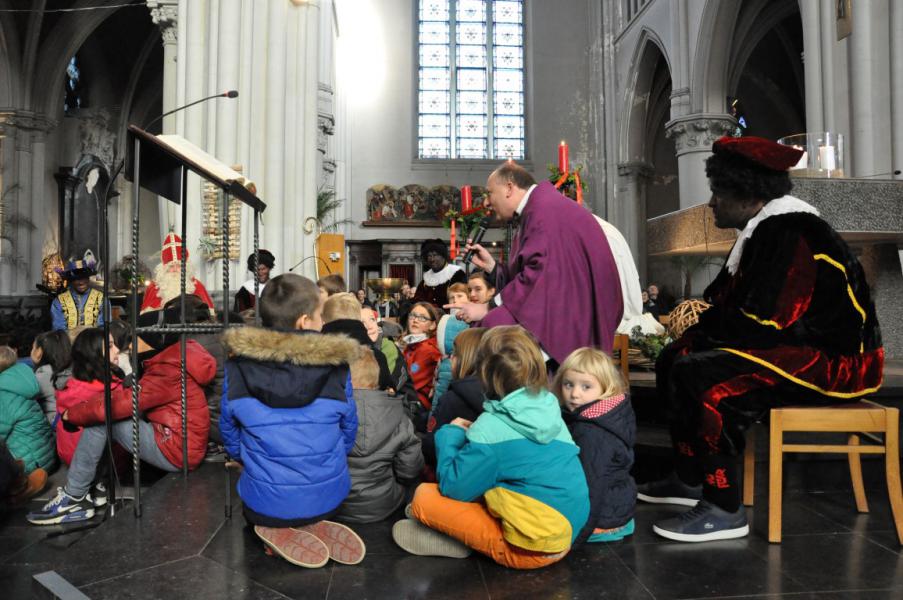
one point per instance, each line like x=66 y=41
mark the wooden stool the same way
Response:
x=864 y=416
x=622 y=345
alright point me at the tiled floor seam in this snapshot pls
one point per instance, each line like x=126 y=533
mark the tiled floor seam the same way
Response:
x=631 y=571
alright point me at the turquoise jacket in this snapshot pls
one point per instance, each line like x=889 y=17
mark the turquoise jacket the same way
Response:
x=22 y=423
x=448 y=329
x=519 y=457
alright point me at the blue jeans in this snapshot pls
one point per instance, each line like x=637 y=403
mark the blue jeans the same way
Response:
x=91 y=446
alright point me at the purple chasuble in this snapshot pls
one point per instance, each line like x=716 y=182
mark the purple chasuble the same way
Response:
x=561 y=282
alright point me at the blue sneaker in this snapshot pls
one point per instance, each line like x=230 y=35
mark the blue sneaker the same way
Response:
x=704 y=523
x=612 y=535
x=63 y=509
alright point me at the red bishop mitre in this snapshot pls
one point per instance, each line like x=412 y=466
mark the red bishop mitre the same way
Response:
x=172 y=249
x=764 y=153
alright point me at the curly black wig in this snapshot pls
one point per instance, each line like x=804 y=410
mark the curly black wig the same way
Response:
x=741 y=178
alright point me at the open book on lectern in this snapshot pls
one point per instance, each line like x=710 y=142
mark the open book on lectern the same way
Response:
x=202 y=158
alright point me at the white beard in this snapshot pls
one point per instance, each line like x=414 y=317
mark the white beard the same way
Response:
x=167 y=277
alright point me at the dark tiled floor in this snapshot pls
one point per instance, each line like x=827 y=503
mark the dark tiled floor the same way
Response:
x=184 y=547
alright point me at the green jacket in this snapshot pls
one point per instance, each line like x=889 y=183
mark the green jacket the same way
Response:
x=22 y=423
x=519 y=457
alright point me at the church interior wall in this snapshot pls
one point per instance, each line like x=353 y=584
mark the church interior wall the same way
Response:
x=382 y=99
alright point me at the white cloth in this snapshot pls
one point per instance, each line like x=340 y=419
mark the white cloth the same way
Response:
x=778 y=206
x=631 y=291
x=249 y=286
x=432 y=279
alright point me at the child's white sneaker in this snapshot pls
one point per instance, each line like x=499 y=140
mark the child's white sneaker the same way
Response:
x=416 y=538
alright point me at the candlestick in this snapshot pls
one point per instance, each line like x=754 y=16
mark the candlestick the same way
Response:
x=454 y=242
x=563 y=163
x=466 y=198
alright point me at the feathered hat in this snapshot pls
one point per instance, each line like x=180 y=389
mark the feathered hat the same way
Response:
x=80 y=269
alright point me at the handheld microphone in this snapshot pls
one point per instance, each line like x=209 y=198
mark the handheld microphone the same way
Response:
x=229 y=94
x=476 y=238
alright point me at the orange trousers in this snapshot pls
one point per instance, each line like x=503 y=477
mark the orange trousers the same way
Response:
x=471 y=524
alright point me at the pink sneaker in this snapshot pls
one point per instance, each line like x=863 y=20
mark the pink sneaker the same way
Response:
x=297 y=547
x=345 y=546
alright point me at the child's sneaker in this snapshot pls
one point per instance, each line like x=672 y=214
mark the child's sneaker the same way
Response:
x=216 y=453
x=98 y=495
x=409 y=511
x=297 y=547
x=415 y=538
x=28 y=486
x=63 y=509
x=345 y=546
x=612 y=535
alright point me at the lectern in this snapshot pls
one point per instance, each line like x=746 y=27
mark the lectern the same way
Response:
x=161 y=166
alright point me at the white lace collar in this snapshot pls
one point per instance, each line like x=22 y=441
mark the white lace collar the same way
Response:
x=249 y=286
x=433 y=279
x=778 y=206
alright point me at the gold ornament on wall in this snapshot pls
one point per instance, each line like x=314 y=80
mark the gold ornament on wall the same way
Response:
x=211 y=243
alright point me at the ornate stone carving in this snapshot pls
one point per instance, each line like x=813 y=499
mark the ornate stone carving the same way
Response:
x=24 y=128
x=695 y=133
x=325 y=128
x=97 y=136
x=165 y=15
x=635 y=168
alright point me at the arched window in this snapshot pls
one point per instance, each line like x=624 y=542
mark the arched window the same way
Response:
x=471 y=74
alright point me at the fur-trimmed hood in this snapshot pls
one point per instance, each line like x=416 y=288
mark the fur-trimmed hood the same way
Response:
x=302 y=348
x=288 y=369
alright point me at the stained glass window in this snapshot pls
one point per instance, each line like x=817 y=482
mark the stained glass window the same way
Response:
x=471 y=79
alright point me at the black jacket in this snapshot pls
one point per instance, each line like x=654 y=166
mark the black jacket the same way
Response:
x=358 y=332
x=606 y=452
x=464 y=399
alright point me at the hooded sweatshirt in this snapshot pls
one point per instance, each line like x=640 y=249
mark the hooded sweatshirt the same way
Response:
x=22 y=424
x=386 y=453
x=288 y=414
x=519 y=457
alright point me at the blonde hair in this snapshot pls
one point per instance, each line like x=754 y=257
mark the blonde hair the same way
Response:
x=365 y=371
x=8 y=357
x=509 y=359
x=594 y=363
x=466 y=348
x=343 y=305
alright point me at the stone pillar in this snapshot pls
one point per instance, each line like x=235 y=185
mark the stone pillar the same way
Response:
x=165 y=15
x=33 y=214
x=629 y=213
x=896 y=86
x=812 y=65
x=693 y=136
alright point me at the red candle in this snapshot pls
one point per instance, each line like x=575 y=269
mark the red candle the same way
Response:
x=563 y=163
x=454 y=243
x=466 y=198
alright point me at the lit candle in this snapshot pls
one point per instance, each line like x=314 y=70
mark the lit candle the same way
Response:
x=803 y=161
x=466 y=199
x=826 y=158
x=454 y=242
x=563 y=163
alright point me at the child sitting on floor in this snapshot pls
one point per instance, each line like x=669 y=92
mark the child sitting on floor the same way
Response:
x=288 y=415
x=386 y=455
x=480 y=290
x=598 y=413
x=510 y=483
x=457 y=293
x=52 y=357
x=22 y=424
x=422 y=356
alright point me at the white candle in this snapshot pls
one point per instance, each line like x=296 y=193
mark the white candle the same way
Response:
x=804 y=160
x=826 y=158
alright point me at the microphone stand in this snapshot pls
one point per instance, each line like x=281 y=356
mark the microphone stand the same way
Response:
x=229 y=94
x=298 y=264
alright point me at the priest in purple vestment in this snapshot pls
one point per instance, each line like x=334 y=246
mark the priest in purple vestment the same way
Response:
x=560 y=281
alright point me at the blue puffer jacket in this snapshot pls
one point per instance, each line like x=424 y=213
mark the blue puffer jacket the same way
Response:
x=288 y=414
x=448 y=329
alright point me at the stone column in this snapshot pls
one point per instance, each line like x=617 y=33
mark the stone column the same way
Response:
x=896 y=86
x=165 y=15
x=24 y=199
x=629 y=212
x=693 y=136
x=812 y=65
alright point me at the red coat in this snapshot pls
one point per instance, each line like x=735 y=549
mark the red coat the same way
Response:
x=422 y=359
x=160 y=400
x=76 y=392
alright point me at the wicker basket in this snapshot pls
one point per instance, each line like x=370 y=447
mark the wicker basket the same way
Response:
x=685 y=315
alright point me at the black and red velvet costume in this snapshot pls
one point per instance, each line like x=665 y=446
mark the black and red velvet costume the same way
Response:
x=794 y=324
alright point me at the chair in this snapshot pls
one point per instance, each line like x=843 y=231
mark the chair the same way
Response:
x=622 y=345
x=859 y=417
